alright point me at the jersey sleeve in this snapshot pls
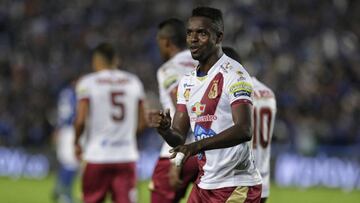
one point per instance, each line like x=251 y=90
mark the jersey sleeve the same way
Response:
x=168 y=80
x=181 y=96
x=140 y=88
x=83 y=89
x=239 y=88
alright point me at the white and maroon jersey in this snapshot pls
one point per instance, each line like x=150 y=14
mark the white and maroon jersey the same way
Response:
x=114 y=97
x=208 y=102
x=168 y=76
x=264 y=119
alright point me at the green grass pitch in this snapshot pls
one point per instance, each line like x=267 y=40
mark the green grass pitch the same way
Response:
x=39 y=191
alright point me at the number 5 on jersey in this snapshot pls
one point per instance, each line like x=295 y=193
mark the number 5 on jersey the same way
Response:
x=118 y=112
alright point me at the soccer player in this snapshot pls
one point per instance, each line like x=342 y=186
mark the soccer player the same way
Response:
x=64 y=137
x=215 y=101
x=169 y=182
x=264 y=119
x=110 y=109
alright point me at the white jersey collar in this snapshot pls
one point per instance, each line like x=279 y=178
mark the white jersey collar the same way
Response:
x=216 y=66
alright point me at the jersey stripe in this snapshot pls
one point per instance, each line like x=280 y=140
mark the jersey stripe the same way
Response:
x=211 y=102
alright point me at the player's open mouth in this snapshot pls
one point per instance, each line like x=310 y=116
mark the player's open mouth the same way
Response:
x=194 y=49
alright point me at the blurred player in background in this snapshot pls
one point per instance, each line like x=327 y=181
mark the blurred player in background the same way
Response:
x=64 y=138
x=110 y=109
x=215 y=101
x=264 y=120
x=169 y=182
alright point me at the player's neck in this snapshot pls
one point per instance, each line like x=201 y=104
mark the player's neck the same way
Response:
x=104 y=67
x=205 y=66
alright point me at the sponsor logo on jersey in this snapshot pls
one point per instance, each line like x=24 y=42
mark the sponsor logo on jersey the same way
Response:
x=206 y=118
x=198 y=108
x=170 y=80
x=242 y=93
x=213 y=93
x=201 y=132
x=241 y=89
x=226 y=66
x=187 y=94
x=188 y=85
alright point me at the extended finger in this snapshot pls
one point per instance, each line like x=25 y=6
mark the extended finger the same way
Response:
x=173 y=155
x=175 y=149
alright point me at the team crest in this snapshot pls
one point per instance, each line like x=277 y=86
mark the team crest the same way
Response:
x=187 y=94
x=213 y=93
x=198 y=108
x=241 y=75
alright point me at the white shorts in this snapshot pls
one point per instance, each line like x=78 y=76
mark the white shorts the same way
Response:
x=65 y=148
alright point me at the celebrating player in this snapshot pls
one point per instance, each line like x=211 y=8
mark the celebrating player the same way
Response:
x=110 y=109
x=264 y=119
x=169 y=182
x=215 y=101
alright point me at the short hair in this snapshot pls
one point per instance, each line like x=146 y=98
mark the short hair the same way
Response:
x=174 y=29
x=230 y=52
x=215 y=15
x=106 y=50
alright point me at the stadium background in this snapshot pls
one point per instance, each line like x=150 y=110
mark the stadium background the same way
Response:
x=306 y=51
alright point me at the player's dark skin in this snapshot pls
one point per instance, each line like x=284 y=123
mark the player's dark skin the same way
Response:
x=204 y=43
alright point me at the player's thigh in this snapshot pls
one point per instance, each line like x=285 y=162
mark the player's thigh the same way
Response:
x=95 y=183
x=157 y=197
x=248 y=194
x=190 y=170
x=189 y=173
x=160 y=186
x=195 y=195
x=123 y=186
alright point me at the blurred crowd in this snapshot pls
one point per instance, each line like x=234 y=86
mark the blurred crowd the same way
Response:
x=306 y=51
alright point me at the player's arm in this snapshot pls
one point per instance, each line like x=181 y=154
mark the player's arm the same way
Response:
x=141 y=118
x=239 y=133
x=173 y=95
x=82 y=111
x=174 y=135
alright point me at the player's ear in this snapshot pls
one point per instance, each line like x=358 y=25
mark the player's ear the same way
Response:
x=219 y=37
x=167 y=42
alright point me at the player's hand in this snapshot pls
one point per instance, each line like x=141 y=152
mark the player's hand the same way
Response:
x=174 y=177
x=159 y=119
x=187 y=150
x=78 y=152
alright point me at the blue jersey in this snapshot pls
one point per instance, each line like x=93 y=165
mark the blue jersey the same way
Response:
x=66 y=107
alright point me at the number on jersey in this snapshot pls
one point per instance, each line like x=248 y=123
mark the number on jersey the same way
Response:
x=263 y=127
x=118 y=113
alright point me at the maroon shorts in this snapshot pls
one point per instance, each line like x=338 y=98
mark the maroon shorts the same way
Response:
x=162 y=192
x=117 y=178
x=240 y=194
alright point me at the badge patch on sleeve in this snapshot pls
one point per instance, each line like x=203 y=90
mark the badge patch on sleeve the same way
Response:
x=241 y=89
x=169 y=81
